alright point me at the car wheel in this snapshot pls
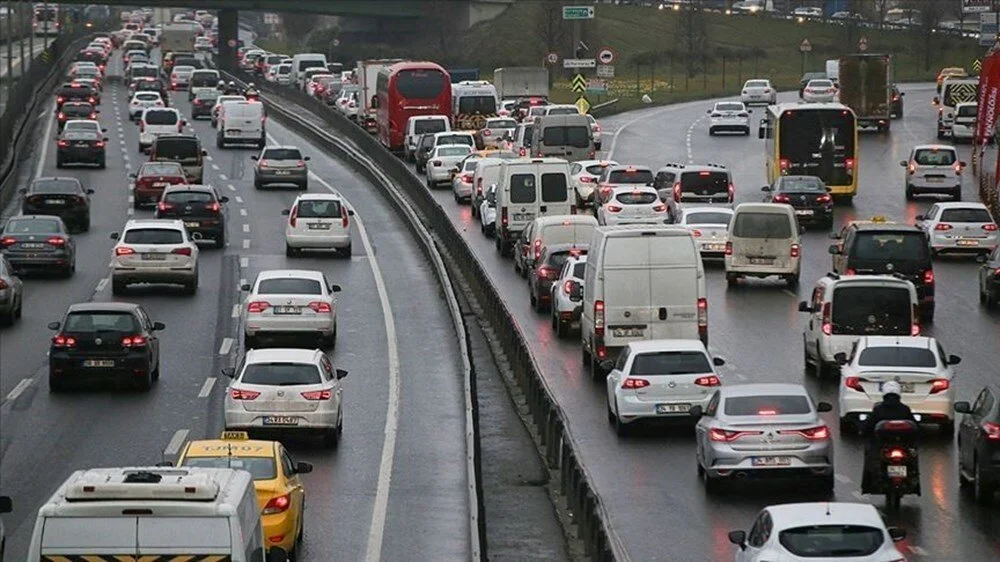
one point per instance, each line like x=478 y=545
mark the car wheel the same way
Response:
x=117 y=287
x=712 y=485
x=948 y=429
x=732 y=280
x=290 y=252
x=9 y=318
x=991 y=300
x=191 y=287
x=584 y=355
x=56 y=384
x=304 y=186
x=909 y=193
x=808 y=367
x=331 y=437
x=822 y=368
x=346 y=252
x=85 y=225
x=620 y=428
x=156 y=371
x=20 y=307
x=330 y=342
x=846 y=427
x=70 y=270
x=956 y=194
x=982 y=491
x=249 y=342
x=826 y=483
x=792 y=281
x=562 y=330
x=145 y=383
x=611 y=414
x=59 y=162
x=220 y=240
x=711 y=132
x=533 y=301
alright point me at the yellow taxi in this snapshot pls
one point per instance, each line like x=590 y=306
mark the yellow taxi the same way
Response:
x=950 y=72
x=280 y=493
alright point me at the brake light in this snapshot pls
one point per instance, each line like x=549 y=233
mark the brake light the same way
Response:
x=317 y=395
x=164 y=206
x=257 y=307
x=293 y=216
x=263 y=163
x=794 y=251
x=992 y=431
x=614 y=208
x=7 y=241
x=677 y=192
x=238 y=394
x=503 y=217
x=732 y=192
x=93 y=116
x=318 y=306
x=344 y=220
x=60 y=99
x=703 y=319
x=992 y=227
x=538 y=248
x=99 y=144
x=546 y=272
x=181 y=251
x=942 y=226
x=849 y=165
x=587 y=179
x=277 y=504
x=486 y=132
x=824 y=199
x=850 y=271
x=939 y=385
x=854 y=383
x=56 y=241
x=784 y=164
x=781 y=199
x=710 y=380
x=197 y=102
x=62 y=143
x=568 y=287
x=827 y=313
x=958 y=168
x=137 y=340
x=466 y=178
x=60 y=340
x=124 y=251
x=818 y=433
x=729 y=248
x=62 y=116
x=928 y=277
x=716 y=434
x=599 y=318
x=896 y=454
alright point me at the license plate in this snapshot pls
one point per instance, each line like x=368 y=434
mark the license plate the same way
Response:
x=523 y=216
x=896 y=471
x=627 y=332
x=192 y=224
x=154 y=257
x=762 y=261
x=98 y=363
x=804 y=212
x=32 y=245
x=714 y=247
x=82 y=144
x=319 y=226
x=905 y=387
x=771 y=461
x=287 y=310
x=672 y=408
x=282 y=172
x=281 y=420
x=968 y=242
x=160 y=184
x=56 y=201
x=934 y=180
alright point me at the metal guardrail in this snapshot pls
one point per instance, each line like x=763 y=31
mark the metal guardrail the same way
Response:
x=412 y=201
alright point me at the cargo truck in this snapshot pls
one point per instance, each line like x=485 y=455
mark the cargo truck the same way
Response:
x=866 y=87
x=366 y=74
x=178 y=37
x=521 y=82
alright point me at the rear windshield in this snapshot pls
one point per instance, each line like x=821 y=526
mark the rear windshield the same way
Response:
x=563 y=111
x=55 y=186
x=767 y=405
x=967 y=111
x=522 y=188
x=802 y=184
x=424 y=126
x=261 y=468
x=319 y=209
x=454 y=151
x=557 y=259
x=820 y=84
x=708 y=218
x=762 y=225
x=832 y=541
x=482 y=105
x=153 y=236
x=966 y=215
x=281 y=374
x=893 y=246
x=32 y=226
x=554 y=188
x=641 y=177
x=100 y=322
x=576 y=136
x=148 y=96
x=637 y=197
x=501 y=123
x=204 y=79
x=161 y=169
x=579 y=269
x=289 y=286
x=470 y=165
x=872 y=310
x=285 y=69
x=756 y=84
x=160 y=117
x=189 y=197
x=144 y=71
x=670 y=363
x=176 y=149
x=596 y=169
x=729 y=107
x=77 y=110
x=897 y=356
x=705 y=183
x=282 y=154
x=455 y=139
x=927 y=157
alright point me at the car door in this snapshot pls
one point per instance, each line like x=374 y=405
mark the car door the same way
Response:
x=615 y=376
x=756 y=538
x=293 y=483
x=151 y=336
x=816 y=305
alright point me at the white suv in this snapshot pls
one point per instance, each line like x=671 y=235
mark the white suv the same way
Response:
x=318 y=221
x=567 y=296
x=933 y=168
x=295 y=303
x=154 y=251
x=156 y=121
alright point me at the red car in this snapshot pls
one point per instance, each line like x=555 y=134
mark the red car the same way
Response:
x=152 y=179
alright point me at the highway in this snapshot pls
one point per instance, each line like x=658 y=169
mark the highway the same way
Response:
x=396 y=484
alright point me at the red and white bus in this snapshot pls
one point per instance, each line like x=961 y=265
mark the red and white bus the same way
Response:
x=408 y=89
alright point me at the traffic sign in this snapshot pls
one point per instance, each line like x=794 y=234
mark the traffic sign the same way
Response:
x=596 y=86
x=578 y=84
x=863 y=44
x=578 y=12
x=552 y=58
x=606 y=56
x=579 y=63
x=977 y=65
x=605 y=71
x=582 y=104
x=805 y=46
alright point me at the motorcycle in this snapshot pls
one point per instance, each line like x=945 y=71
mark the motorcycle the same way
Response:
x=897 y=469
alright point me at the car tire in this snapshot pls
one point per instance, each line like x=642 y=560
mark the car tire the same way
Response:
x=220 y=240
x=156 y=371
x=732 y=280
x=191 y=287
x=257 y=184
x=304 y=186
x=711 y=132
x=219 y=143
x=792 y=281
x=956 y=194
x=56 y=384
x=981 y=491
x=85 y=224
x=331 y=437
x=562 y=330
x=102 y=164
x=846 y=427
x=947 y=429
x=532 y=300
x=59 y=162
x=249 y=342
x=70 y=270
x=145 y=383
x=826 y=483
x=806 y=365
x=330 y=342
x=712 y=485
x=9 y=318
x=941 y=135
x=118 y=287
x=346 y=252
x=291 y=252
x=909 y=193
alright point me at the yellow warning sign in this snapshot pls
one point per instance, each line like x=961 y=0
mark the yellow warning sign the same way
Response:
x=582 y=104
x=977 y=65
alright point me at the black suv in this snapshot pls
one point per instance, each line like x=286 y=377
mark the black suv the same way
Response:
x=979 y=444
x=65 y=198
x=103 y=340
x=77 y=92
x=201 y=209
x=880 y=247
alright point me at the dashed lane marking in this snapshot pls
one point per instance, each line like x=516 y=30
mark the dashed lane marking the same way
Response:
x=215 y=167
x=239 y=199
x=243 y=212
x=206 y=388
x=45 y=145
x=231 y=187
x=101 y=285
x=246 y=244
x=226 y=347
x=841 y=478
x=246 y=228
x=236 y=311
x=175 y=442
x=19 y=389
x=244 y=262
x=789 y=293
x=223 y=177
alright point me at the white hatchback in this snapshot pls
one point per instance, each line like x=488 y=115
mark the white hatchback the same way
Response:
x=154 y=251
x=286 y=391
x=180 y=77
x=729 y=116
x=584 y=174
x=141 y=101
x=158 y=121
x=442 y=161
x=933 y=169
x=318 y=221
x=632 y=205
x=295 y=303
x=958 y=227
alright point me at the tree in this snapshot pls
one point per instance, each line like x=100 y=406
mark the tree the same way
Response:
x=692 y=32
x=549 y=26
x=930 y=16
x=298 y=26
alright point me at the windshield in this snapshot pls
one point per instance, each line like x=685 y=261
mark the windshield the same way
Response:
x=764 y=405
x=101 y=322
x=640 y=177
x=575 y=136
x=421 y=84
x=176 y=149
x=967 y=111
x=424 y=126
x=153 y=236
x=55 y=186
x=637 y=197
x=897 y=356
x=707 y=217
x=930 y=157
x=82 y=127
x=289 y=286
x=597 y=169
x=261 y=468
x=890 y=246
x=801 y=184
x=705 y=183
x=455 y=139
x=200 y=79
x=483 y=105
x=831 y=541
x=757 y=84
x=284 y=69
x=670 y=363
x=160 y=117
x=32 y=226
x=183 y=197
x=319 y=209
x=454 y=151
x=729 y=107
x=161 y=169
x=966 y=215
x=143 y=71
x=885 y=311
x=281 y=374
x=762 y=225
x=818 y=142
x=282 y=154
x=557 y=259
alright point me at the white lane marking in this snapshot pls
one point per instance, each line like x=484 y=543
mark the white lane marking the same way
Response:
x=232 y=188
x=380 y=509
x=244 y=262
x=45 y=144
x=246 y=244
x=858 y=495
x=239 y=199
x=19 y=389
x=227 y=345
x=102 y=284
x=223 y=177
x=175 y=442
x=206 y=388
x=246 y=228
x=740 y=376
x=208 y=157
x=236 y=310
x=841 y=478
x=243 y=212
x=215 y=166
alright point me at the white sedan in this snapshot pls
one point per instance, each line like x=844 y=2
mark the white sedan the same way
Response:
x=759 y=91
x=141 y=101
x=917 y=363
x=819 y=91
x=567 y=296
x=729 y=116
x=442 y=161
x=584 y=175
x=290 y=303
x=959 y=227
x=709 y=226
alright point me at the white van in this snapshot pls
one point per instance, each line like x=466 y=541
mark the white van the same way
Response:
x=527 y=190
x=241 y=122
x=487 y=174
x=422 y=125
x=641 y=283
x=551 y=230
x=153 y=513
x=302 y=62
x=763 y=240
x=563 y=136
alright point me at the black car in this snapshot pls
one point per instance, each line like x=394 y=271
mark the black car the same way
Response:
x=38 y=243
x=81 y=145
x=65 y=198
x=808 y=195
x=425 y=146
x=76 y=92
x=75 y=110
x=989 y=280
x=94 y=56
x=879 y=247
x=150 y=85
x=896 y=105
x=201 y=209
x=979 y=444
x=203 y=103
x=546 y=271
x=104 y=340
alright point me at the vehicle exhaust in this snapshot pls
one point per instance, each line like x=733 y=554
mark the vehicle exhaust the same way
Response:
x=196 y=236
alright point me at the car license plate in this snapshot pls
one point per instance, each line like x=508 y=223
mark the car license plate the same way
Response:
x=82 y=144
x=965 y=242
x=160 y=184
x=896 y=471
x=934 y=180
x=32 y=245
x=319 y=226
x=99 y=363
x=714 y=247
x=673 y=408
x=56 y=201
x=154 y=257
x=281 y=172
x=762 y=261
x=630 y=332
x=281 y=420
x=771 y=461
x=905 y=387
x=192 y=224
x=804 y=212
x=287 y=310
x=523 y=216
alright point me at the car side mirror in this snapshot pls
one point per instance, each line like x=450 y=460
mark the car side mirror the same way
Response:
x=954 y=359
x=902 y=163
x=114 y=236
x=204 y=153
x=962 y=407
x=718 y=361
x=277 y=554
x=133 y=175
x=739 y=538
x=708 y=111
x=89 y=191
x=341 y=373
x=962 y=164
x=804 y=307
x=286 y=212
x=902 y=93
x=229 y=372
x=254 y=157
x=307 y=158
x=54 y=325
x=896 y=533
x=834 y=249
x=919 y=218
x=104 y=131
x=158 y=326
x=936 y=100
x=696 y=411
x=245 y=287
x=824 y=407
x=106 y=139
x=350 y=212
x=607 y=365
x=766 y=188
x=840 y=358
x=334 y=288
x=303 y=467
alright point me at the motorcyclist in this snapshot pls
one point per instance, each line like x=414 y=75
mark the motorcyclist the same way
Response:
x=890 y=408
x=251 y=91
x=221 y=86
x=231 y=89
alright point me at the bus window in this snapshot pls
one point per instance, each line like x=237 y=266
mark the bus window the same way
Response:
x=420 y=84
x=818 y=143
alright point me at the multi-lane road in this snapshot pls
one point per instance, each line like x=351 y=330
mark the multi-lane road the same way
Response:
x=396 y=484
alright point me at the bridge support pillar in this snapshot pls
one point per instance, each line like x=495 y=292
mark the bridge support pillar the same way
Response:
x=229 y=33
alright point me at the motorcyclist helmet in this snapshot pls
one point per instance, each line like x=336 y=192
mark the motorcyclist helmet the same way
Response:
x=250 y=85
x=221 y=83
x=232 y=84
x=891 y=387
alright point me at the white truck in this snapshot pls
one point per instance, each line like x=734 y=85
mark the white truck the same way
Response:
x=366 y=74
x=178 y=37
x=521 y=82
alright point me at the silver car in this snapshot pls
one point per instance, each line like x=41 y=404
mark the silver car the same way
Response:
x=461 y=182
x=286 y=390
x=491 y=135
x=567 y=296
x=11 y=294
x=280 y=165
x=442 y=160
x=709 y=226
x=758 y=91
x=752 y=431
x=291 y=303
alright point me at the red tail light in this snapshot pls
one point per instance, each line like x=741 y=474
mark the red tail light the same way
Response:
x=633 y=383
x=134 y=341
x=181 y=251
x=854 y=383
x=614 y=208
x=827 y=313
x=197 y=102
x=293 y=216
x=849 y=165
x=318 y=395
x=942 y=226
x=56 y=241
x=710 y=380
x=568 y=287
x=794 y=251
x=466 y=178
x=677 y=192
x=99 y=144
x=164 y=206
x=237 y=394
x=546 y=272
x=503 y=217
x=61 y=116
x=62 y=340
x=958 y=168
x=729 y=248
x=587 y=179
x=818 y=433
x=93 y=116
x=732 y=192
x=781 y=199
x=318 y=306
x=538 y=248
x=896 y=454
x=599 y=318
x=850 y=271
x=992 y=431
x=939 y=385
x=703 y=318
x=62 y=143
x=659 y=208
x=278 y=504
x=784 y=164
x=928 y=277
x=716 y=434
x=124 y=251
x=60 y=99
x=344 y=218
x=824 y=199
x=990 y=227
x=92 y=100
x=258 y=306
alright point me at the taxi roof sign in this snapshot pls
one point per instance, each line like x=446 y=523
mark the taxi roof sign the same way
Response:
x=880 y=218
x=235 y=436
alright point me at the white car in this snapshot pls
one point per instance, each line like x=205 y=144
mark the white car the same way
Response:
x=920 y=366
x=158 y=121
x=283 y=74
x=292 y=303
x=963 y=126
x=632 y=205
x=818 y=531
x=660 y=379
x=566 y=301
x=595 y=128
x=760 y=91
x=154 y=251
x=218 y=106
x=729 y=116
x=202 y=44
x=141 y=101
x=442 y=161
x=288 y=390
x=960 y=228
x=488 y=211
x=709 y=226
x=819 y=91
x=180 y=77
x=584 y=175
x=318 y=221
x=935 y=169
x=461 y=183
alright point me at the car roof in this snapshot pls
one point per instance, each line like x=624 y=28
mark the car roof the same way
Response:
x=154 y=223
x=759 y=389
x=282 y=354
x=792 y=515
x=627 y=167
x=282 y=147
x=290 y=274
x=776 y=208
x=32 y=217
x=706 y=209
x=870 y=280
x=100 y=306
x=241 y=448
x=189 y=187
x=588 y=163
x=56 y=178
x=935 y=147
x=961 y=205
x=443 y=133
x=320 y=197
x=667 y=345
x=869 y=226
x=920 y=342
x=563 y=219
